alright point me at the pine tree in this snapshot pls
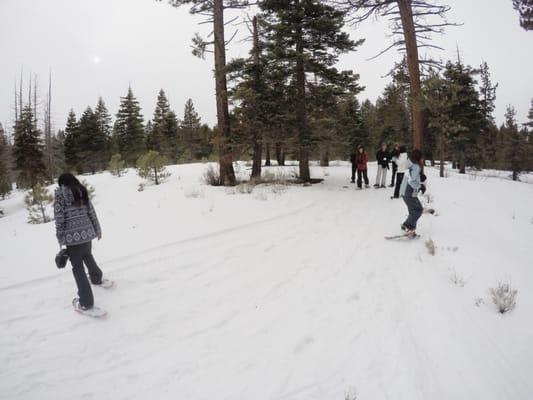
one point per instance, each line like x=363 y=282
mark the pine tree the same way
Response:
x=190 y=127
x=151 y=166
x=214 y=9
x=307 y=37
x=525 y=10
x=529 y=123
x=351 y=125
x=393 y=116
x=128 y=131
x=116 y=165
x=516 y=154
x=370 y=122
x=156 y=140
x=440 y=101
x=28 y=151
x=164 y=129
x=467 y=112
x=487 y=91
x=5 y=178
x=91 y=144
x=104 y=121
x=36 y=201
x=71 y=150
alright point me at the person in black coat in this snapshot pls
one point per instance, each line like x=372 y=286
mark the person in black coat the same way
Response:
x=395 y=153
x=382 y=158
x=353 y=160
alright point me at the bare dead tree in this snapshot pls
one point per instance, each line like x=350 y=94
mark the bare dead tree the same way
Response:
x=213 y=11
x=49 y=158
x=16 y=101
x=20 y=89
x=412 y=24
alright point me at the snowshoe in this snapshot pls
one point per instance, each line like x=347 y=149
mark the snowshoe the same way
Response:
x=93 y=312
x=106 y=284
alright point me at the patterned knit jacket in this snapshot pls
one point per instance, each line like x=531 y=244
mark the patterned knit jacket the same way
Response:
x=74 y=224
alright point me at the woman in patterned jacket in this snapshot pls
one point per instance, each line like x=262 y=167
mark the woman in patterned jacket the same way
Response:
x=76 y=226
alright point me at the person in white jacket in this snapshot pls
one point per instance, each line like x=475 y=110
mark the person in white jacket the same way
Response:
x=402 y=167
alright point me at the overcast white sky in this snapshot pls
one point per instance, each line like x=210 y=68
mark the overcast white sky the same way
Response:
x=97 y=47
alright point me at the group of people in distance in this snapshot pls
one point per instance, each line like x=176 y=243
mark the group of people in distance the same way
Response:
x=384 y=158
x=407 y=177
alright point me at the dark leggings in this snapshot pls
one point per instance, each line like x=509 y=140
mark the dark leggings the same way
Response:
x=80 y=254
x=399 y=179
x=361 y=174
x=415 y=208
x=394 y=171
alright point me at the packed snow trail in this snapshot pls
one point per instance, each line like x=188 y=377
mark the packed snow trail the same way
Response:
x=307 y=303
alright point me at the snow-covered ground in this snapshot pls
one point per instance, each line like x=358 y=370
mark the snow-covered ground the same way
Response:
x=275 y=294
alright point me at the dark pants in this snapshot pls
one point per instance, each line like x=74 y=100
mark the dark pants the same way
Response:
x=354 y=169
x=399 y=179
x=415 y=210
x=80 y=254
x=361 y=174
x=394 y=170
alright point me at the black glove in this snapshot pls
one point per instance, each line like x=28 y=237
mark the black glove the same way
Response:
x=62 y=258
x=422 y=188
x=423 y=177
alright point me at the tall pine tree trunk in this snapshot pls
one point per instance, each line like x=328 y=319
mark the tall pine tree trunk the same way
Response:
x=280 y=154
x=406 y=15
x=257 y=145
x=441 y=155
x=267 y=155
x=227 y=174
x=301 y=112
x=324 y=158
x=462 y=162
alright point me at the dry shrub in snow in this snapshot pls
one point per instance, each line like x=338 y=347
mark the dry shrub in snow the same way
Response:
x=504 y=297
x=430 y=246
x=278 y=188
x=140 y=188
x=194 y=193
x=211 y=176
x=351 y=394
x=457 y=279
x=279 y=177
x=244 y=188
x=261 y=195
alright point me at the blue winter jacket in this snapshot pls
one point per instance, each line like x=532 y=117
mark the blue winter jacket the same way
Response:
x=74 y=224
x=411 y=180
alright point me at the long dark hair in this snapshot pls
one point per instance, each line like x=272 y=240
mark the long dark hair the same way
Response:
x=79 y=191
x=417 y=157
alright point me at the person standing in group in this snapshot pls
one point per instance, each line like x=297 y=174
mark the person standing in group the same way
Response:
x=412 y=182
x=353 y=160
x=394 y=161
x=382 y=159
x=362 y=161
x=401 y=164
x=76 y=226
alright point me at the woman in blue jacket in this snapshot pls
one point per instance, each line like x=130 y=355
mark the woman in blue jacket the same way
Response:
x=76 y=226
x=411 y=184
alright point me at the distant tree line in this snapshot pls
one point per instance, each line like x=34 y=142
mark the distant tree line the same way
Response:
x=34 y=156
